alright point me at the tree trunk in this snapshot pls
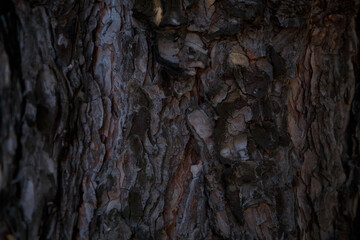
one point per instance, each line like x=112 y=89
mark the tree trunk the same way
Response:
x=179 y=119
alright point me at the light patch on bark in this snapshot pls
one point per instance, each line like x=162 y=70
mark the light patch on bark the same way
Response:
x=159 y=11
x=28 y=199
x=199 y=120
x=238 y=57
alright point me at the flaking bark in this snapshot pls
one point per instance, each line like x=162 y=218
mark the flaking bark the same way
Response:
x=179 y=119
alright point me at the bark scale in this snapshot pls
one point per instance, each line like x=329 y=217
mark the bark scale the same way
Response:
x=179 y=119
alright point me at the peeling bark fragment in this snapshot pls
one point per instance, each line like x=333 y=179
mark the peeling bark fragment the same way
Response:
x=238 y=57
x=202 y=126
x=169 y=46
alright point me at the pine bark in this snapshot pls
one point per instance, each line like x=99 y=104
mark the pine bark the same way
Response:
x=179 y=119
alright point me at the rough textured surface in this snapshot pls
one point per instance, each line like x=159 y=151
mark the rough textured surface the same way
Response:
x=179 y=119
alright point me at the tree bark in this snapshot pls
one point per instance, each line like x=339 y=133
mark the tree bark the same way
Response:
x=179 y=119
